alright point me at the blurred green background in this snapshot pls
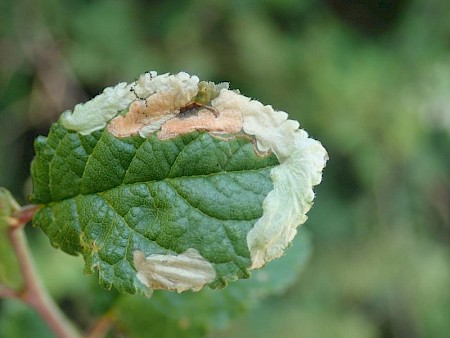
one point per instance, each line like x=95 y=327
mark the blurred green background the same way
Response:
x=370 y=80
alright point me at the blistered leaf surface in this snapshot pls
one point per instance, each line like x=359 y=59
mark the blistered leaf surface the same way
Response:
x=173 y=183
x=108 y=197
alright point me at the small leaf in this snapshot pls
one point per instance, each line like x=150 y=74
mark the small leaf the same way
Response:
x=9 y=268
x=8 y=206
x=158 y=188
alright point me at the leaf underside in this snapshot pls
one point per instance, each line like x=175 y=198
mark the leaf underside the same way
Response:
x=105 y=197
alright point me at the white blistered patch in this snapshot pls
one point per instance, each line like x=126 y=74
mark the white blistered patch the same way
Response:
x=152 y=95
x=186 y=271
x=302 y=160
x=94 y=114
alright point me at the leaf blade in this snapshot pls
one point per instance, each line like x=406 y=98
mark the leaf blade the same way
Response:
x=145 y=170
x=222 y=197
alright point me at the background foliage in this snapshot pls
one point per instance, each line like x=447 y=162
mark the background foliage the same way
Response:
x=371 y=81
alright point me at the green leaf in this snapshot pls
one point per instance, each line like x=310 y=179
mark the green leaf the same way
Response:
x=108 y=197
x=174 y=183
x=9 y=268
x=8 y=206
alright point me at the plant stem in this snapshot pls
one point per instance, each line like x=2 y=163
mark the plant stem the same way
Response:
x=33 y=293
x=101 y=326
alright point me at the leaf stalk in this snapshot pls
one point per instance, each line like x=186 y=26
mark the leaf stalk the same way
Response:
x=33 y=292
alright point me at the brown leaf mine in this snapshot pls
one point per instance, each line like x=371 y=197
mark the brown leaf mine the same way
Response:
x=140 y=115
x=179 y=105
x=205 y=120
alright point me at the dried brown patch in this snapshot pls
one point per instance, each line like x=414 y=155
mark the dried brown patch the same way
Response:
x=155 y=110
x=161 y=112
x=205 y=120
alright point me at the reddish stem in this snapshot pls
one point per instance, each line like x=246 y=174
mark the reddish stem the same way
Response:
x=101 y=327
x=34 y=294
x=26 y=214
